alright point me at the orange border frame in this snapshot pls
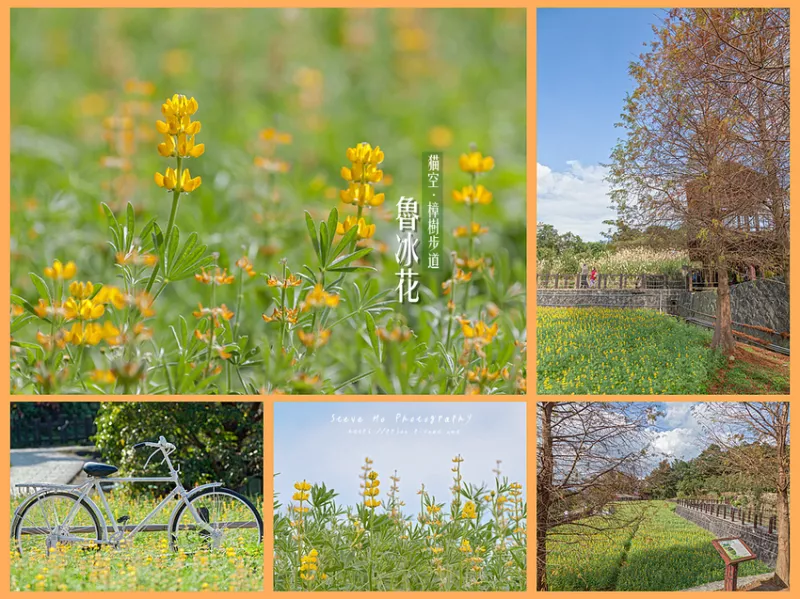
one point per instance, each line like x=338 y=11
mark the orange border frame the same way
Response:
x=530 y=398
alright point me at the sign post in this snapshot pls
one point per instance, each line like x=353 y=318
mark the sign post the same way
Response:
x=733 y=551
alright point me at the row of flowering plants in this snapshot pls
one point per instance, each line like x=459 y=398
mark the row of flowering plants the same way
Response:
x=266 y=324
x=475 y=540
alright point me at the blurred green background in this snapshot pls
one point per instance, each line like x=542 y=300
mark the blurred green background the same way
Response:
x=409 y=80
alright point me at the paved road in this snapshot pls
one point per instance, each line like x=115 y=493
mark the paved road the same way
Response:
x=57 y=465
x=741 y=582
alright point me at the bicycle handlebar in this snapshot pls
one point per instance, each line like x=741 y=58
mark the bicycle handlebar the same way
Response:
x=162 y=444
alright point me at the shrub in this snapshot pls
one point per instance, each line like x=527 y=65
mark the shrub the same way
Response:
x=215 y=441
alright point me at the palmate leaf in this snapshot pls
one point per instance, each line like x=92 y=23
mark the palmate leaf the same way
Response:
x=344 y=242
x=343 y=261
x=186 y=261
x=124 y=236
x=324 y=242
x=373 y=337
x=21 y=321
x=333 y=222
x=41 y=287
x=312 y=233
x=130 y=228
x=21 y=301
x=113 y=225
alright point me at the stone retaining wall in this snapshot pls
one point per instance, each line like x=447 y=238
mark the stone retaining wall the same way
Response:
x=764 y=545
x=762 y=303
x=663 y=300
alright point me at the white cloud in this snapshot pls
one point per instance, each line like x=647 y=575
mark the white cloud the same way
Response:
x=575 y=200
x=678 y=414
x=679 y=443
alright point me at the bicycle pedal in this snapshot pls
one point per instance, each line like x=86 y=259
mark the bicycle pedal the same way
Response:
x=123 y=519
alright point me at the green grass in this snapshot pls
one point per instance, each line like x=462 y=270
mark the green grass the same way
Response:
x=754 y=372
x=408 y=81
x=147 y=565
x=661 y=552
x=436 y=545
x=621 y=351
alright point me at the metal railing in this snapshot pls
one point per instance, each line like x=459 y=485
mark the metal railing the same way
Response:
x=758 y=515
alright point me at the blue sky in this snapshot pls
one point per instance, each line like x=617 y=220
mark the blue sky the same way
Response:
x=310 y=443
x=582 y=78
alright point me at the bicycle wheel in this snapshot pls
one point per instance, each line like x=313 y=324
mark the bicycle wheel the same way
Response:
x=42 y=525
x=234 y=520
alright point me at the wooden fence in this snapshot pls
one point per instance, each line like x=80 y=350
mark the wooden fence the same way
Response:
x=757 y=515
x=610 y=281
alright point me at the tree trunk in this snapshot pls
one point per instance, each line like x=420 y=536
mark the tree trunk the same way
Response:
x=782 y=561
x=723 y=328
x=544 y=484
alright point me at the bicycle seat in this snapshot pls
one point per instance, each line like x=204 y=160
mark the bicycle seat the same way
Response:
x=98 y=469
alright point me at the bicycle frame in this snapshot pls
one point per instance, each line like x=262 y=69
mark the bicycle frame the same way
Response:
x=119 y=535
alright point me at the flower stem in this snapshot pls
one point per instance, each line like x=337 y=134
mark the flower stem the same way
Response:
x=176 y=195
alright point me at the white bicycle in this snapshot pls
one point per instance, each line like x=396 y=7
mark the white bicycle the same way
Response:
x=207 y=517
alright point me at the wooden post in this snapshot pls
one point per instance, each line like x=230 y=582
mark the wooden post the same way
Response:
x=556 y=280
x=731 y=576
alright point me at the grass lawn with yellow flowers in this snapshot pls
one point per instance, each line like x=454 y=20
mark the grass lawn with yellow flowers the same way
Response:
x=621 y=351
x=476 y=539
x=211 y=206
x=147 y=565
x=655 y=550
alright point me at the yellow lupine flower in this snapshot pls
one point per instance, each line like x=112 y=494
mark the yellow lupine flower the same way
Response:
x=167 y=147
x=364 y=154
x=314 y=340
x=319 y=298
x=361 y=194
x=472 y=231
x=275 y=136
x=290 y=281
x=364 y=231
x=245 y=264
x=83 y=309
x=475 y=162
x=103 y=377
x=178 y=111
x=169 y=180
x=61 y=271
x=110 y=295
x=469 y=511
x=89 y=334
x=472 y=195
x=80 y=290
x=480 y=330
x=187 y=147
x=484 y=375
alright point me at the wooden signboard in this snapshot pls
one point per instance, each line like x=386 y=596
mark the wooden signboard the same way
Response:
x=733 y=551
